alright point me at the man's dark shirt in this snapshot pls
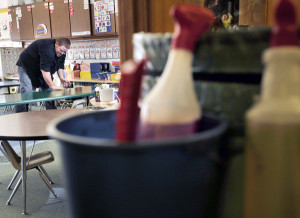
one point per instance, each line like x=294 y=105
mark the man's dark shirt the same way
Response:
x=40 y=55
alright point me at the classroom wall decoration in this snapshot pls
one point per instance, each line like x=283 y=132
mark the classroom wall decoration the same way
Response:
x=102 y=15
x=9 y=57
x=94 y=50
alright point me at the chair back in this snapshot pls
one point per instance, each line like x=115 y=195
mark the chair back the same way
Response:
x=79 y=103
x=15 y=159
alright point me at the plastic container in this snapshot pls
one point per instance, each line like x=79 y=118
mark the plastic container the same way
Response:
x=116 y=76
x=75 y=74
x=273 y=139
x=181 y=177
x=85 y=75
x=102 y=76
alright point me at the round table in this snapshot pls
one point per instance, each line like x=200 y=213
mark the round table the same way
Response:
x=29 y=126
x=104 y=105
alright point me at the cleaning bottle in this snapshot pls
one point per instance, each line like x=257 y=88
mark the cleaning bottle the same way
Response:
x=272 y=182
x=171 y=108
x=127 y=115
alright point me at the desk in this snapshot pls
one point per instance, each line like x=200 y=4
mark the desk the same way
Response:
x=16 y=77
x=29 y=126
x=7 y=84
x=32 y=97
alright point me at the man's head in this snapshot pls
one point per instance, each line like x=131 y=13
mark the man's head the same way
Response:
x=62 y=45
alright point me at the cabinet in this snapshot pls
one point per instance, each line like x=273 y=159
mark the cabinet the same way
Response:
x=60 y=19
x=117 y=16
x=258 y=12
x=80 y=18
x=41 y=20
x=20 y=23
x=142 y=15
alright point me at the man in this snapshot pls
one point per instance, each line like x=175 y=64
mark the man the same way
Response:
x=37 y=64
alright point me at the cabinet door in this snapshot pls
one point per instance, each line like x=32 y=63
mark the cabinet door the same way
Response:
x=60 y=19
x=103 y=17
x=25 y=22
x=14 y=26
x=80 y=17
x=41 y=20
x=117 y=16
x=253 y=12
x=259 y=13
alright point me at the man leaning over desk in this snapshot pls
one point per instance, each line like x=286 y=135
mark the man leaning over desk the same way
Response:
x=37 y=64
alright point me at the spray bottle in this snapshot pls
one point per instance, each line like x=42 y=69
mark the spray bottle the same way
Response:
x=273 y=126
x=171 y=108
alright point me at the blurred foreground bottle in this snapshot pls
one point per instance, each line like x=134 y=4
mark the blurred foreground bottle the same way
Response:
x=171 y=109
x=273 y=126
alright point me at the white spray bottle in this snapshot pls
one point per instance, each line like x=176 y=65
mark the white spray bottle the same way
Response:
x=171 y=109
x=272 y=184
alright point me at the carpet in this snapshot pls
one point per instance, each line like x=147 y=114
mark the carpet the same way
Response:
x=40 y=201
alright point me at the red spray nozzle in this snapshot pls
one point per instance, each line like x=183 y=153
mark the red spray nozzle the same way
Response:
x=127 y=115
x=190 y=22
x=285 y=29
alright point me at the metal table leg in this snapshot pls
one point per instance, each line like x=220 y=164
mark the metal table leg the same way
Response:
x=24 y=175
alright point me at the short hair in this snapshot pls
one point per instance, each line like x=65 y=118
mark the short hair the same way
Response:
x=64 y=41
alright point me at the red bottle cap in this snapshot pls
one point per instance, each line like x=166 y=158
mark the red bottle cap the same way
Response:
x=190 y=22
x=285 y=29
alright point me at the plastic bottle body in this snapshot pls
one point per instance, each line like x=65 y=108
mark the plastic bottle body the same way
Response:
x=172 y=104
x=273 y=140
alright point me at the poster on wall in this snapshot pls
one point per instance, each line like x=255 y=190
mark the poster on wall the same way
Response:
x=102 y=15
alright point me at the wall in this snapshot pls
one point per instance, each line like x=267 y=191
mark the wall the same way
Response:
x=91 y=51
x=9 y=57
x=3 y=4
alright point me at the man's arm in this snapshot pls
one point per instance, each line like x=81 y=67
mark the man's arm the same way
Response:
x=64 y=81
x=48 y=80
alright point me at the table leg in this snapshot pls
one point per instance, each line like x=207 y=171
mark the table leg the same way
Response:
x=24 y=175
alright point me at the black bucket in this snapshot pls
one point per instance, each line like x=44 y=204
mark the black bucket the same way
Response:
x=179 y=177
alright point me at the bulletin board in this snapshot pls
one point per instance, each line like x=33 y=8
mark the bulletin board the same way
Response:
x=103 y=17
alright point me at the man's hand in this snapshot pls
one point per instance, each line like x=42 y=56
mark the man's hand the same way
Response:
x=57 y=88
x=66 y=83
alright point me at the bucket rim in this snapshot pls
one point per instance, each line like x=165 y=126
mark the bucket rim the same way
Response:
x=203 y=136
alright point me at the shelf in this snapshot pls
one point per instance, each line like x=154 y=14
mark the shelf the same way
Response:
x=225 y=55
x=92 y=81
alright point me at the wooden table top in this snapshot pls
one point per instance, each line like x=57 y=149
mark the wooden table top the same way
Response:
x=103 y=104
x=30 y=125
